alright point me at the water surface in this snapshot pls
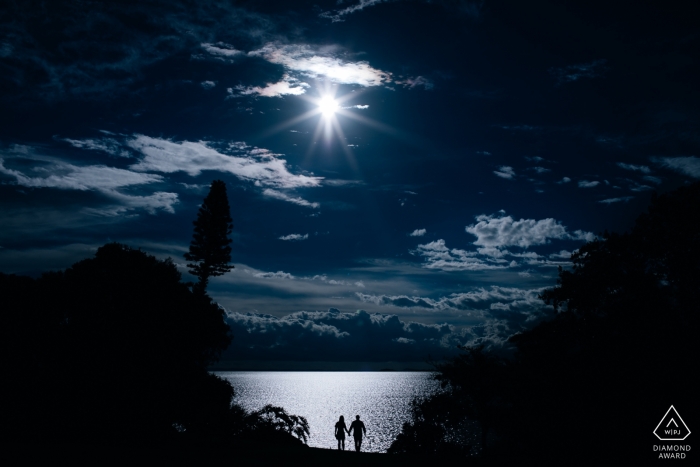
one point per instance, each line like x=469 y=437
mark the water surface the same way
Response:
x=380 y=398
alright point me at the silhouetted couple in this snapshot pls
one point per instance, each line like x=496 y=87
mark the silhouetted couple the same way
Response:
x=357 y=428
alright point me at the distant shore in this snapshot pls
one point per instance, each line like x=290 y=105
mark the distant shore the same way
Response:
x=282 y=365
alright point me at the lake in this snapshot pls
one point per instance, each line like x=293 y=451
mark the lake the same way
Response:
x=380 y=398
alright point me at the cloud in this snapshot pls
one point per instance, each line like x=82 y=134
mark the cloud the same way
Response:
x=283 y=197
x=504 y=231
x=66 y=176
x=689 y=165
x=108 y=145
x=564 y=180
x=317 y=62
x=505 y=172
x=438 y=256
x=361 y=107
x=105 y=51
x=294 y=237
x=336 y=336
x=337 y=16
x=105 y=180
x=222 y=51
x=652 y=179
x=286 y=86
x=494 y=234
x=540 y=170
x=418 y=81
x=417 y=233
x=248 y=163
x=150 y=203
x=470 y=8
x=639 y=168
x=208 y=84
x=563 y=254
x=341 y=182
x=521 y=127
x=616 y=200
x=571 y=73
x=494 y=297
x=587 y=184
x=275 y=275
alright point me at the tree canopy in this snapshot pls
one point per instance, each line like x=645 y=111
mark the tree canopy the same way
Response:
x=114 y=347
x=210 y=250
x=593 y=381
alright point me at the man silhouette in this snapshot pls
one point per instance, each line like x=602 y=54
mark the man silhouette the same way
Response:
x=357 y=428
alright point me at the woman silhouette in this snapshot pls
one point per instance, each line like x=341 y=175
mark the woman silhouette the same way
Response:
x=340 y=430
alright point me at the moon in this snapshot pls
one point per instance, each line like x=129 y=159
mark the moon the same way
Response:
x=328 y=106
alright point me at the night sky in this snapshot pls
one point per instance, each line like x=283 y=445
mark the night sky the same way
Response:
x=404 y=176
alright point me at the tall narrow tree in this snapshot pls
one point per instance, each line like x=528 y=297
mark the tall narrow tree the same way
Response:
x=210 y=252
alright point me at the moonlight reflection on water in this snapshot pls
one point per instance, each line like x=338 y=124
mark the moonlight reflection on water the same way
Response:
x=380 y=398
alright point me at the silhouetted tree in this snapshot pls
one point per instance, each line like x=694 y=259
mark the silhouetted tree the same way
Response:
x=210 y=253
x=116 y=347
x=618 y=351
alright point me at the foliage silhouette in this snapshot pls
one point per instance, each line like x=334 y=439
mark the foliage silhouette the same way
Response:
x=115 y=350
x=273 y=423
x=439 y=426
x=115 y=347
x=210 y=250
x=617 y=353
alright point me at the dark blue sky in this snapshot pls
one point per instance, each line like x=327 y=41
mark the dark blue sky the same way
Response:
x=475 y=145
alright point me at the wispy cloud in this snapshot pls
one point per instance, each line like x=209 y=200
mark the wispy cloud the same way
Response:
x=688 y=165
x=438 y=256
x=288 y=85
x=505 y=172
x=294 y=237
x=652 y=179
x=318 y=62
x=222 y=51
x=108 y=145
x=564 y=180
x=587 y=184
x=208 y=84
x=622 y=199
x=563 y=254
x=337 y=15
x=150 y=203
x=494 y=298
x=418 y=81
x=245 y=162
x=274 y=275
x=471 y=8
x=106 y=180
x=71 y=177
x=417 y=233
x=638 y=168
x=571 y=73
x=284 y=197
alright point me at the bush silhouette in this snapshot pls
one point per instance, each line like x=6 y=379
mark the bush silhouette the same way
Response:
x=116 y=347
